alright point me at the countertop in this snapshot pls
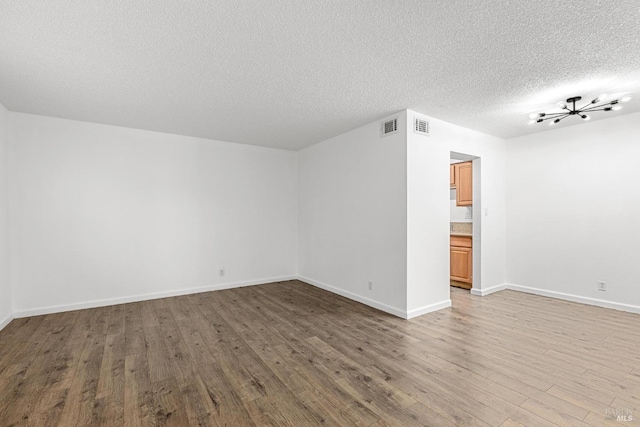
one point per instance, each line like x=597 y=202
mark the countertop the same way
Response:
x=461 y=228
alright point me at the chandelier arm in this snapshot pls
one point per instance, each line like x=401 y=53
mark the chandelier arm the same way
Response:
x=595 y=106
x=558 y=118
x=555 y=114
x=584 y=107
x=601 y=109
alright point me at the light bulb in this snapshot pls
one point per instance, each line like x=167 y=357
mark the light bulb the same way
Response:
x=626 y=98
x=617 y=107
x=532 y=121
x=553 y=122
x=600 y=98
x=533 y=115
x=561 y=105
x=585 y=117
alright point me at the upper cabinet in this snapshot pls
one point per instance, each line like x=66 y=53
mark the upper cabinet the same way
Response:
x=464 y=184
x=461 y=177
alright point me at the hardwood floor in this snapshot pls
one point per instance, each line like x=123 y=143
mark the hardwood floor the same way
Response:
x=291 y=354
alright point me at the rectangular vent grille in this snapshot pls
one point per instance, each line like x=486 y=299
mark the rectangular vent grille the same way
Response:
x=420 y=126
x=390 y=126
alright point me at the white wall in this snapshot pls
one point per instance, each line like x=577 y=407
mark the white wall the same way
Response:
x=352 y=199
x=5 y=284
x=103 y=214
x=573 y=202
x=459 y=213
x=429 y=211
x=374 y=208
x=427 y=207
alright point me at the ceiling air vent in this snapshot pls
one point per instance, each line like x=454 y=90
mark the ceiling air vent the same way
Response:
x=420 y=126
x=390 y=126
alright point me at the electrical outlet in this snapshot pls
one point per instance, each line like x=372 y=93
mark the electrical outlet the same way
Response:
x=370 y=285
x=222 y=272
x=602 y=286
x=469 y=213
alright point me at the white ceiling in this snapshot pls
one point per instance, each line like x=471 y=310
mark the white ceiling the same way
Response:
x=288 y=74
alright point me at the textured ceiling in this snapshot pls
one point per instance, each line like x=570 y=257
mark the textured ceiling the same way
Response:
x=288 y=74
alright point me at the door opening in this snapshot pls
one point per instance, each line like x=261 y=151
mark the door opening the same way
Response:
x=464 y=239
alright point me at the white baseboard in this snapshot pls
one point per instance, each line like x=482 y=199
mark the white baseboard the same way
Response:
x=487 y=291
x=576 y=298
x=6 y=321
x=359 y=298
x=428 y=309
x=143 y=297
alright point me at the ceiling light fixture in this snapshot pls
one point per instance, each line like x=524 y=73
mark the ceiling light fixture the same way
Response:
x=569 y=109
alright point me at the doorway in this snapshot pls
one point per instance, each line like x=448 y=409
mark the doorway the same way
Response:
x=464 y=221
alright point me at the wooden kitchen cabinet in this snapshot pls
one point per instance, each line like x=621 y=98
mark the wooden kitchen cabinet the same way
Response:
x=452 y=175
x=464 y=184
x=461 y=265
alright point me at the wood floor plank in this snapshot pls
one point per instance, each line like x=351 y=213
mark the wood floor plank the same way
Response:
x=511 y=423
x=24 y=337
x=134 y=330
x=79 y=408
x=578 y=399
x=226 y=401
x=158 y=357
x=320 y=374
x=200 y=409
x=291 y=354
x=168 y=405
x=552 y=414
x=138 y=400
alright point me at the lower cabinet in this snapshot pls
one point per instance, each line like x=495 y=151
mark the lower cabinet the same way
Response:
x=461 y=259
